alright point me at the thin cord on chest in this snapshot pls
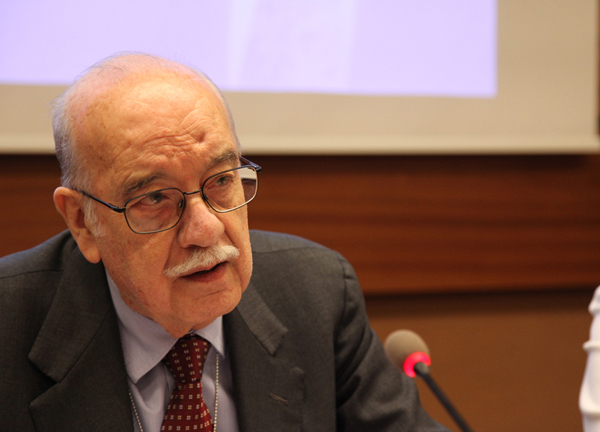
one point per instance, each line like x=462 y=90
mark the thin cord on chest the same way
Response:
x=137 y=417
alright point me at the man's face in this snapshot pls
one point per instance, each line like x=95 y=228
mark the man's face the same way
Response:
x=165 y=131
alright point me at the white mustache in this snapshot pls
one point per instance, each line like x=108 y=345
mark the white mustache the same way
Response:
x=203 y=258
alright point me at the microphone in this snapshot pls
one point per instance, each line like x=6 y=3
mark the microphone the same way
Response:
x=409 y=353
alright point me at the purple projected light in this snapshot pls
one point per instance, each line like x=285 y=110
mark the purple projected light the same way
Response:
x=386 y=47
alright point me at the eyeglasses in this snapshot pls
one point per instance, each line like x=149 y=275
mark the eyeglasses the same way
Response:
x=162 y=209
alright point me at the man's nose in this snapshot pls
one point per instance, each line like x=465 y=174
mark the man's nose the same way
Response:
x=200 y=225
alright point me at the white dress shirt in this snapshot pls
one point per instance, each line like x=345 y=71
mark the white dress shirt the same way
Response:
x=145 y=343
x=589 y=397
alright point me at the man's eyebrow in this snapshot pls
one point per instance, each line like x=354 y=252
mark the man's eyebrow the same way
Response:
x=129 y=188
x=226 y=157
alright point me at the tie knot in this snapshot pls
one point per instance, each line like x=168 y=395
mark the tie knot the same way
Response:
x=186 y=358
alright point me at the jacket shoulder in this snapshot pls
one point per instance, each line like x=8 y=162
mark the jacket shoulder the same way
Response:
x=48 y=256
x=296 y=274
x=266 y=241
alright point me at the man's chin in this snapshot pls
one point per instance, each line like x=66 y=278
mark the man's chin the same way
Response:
x=179 y=328
x=202 y=308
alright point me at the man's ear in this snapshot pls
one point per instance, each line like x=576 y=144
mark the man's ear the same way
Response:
x=69 y=204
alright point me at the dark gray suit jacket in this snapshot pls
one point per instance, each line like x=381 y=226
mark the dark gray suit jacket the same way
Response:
x=303 y=355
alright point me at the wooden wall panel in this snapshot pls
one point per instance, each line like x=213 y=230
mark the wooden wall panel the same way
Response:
x=407 y=224
x=508 y=361
x=493 y=260
x=428 y=224
x=27 y=215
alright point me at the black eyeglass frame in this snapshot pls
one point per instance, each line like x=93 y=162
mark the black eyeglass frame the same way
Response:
x=248 y=164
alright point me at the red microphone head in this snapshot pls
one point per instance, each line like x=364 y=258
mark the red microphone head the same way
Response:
x=405 y=349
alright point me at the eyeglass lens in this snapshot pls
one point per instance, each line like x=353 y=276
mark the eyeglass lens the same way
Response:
x=162 y=209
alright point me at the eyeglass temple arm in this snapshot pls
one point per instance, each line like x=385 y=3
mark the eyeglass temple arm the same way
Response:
x=110 y=206
x=258 y=168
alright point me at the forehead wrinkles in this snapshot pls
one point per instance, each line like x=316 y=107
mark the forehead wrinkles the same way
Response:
x=164 y=133
x=153 y=112
x=153 y=126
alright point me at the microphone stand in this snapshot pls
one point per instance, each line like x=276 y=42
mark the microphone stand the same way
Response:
x=422 y=370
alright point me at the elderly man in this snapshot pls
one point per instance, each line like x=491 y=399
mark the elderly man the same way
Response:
x=157 y=309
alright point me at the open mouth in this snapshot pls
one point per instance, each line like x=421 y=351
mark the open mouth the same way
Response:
x=204 y=272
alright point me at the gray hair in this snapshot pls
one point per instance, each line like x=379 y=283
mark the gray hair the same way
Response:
x=110 y=71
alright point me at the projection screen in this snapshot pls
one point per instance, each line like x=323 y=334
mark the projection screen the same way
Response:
x=331 y=76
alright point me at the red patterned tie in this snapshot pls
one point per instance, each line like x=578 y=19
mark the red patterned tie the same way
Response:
x=187 y=410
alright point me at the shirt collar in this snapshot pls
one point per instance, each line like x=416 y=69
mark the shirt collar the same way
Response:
x=145 y=343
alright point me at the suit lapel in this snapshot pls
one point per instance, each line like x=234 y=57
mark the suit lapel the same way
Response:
x=78 y=347
x=269 y=389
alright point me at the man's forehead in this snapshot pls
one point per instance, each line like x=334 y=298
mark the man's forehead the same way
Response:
x=155 y=90
x=101 y=98
x=145 y=109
